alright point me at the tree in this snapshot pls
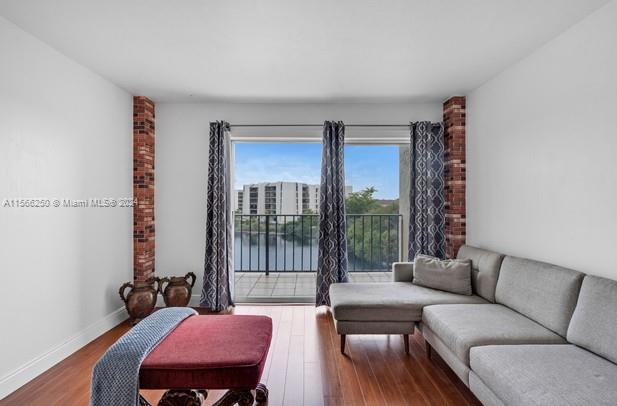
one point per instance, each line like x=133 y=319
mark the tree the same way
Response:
x=361 y=202
x=302 y=229
x=391 y=208
x=372 y=240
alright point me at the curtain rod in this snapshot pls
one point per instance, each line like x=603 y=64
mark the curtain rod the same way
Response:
x=318 y=125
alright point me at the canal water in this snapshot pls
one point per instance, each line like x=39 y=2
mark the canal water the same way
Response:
x=290 y=256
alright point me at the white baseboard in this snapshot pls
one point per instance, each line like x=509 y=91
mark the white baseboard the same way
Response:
x=24 y=374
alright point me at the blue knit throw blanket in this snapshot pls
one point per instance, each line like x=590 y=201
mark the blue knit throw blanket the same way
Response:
x=115 y=380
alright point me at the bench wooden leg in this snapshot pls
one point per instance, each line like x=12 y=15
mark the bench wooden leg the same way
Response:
x=261 y=393
x=239 y=397
x=406 y=341
x=197 y=397
x=429 y=349
x=343 y=340
x=183 y=398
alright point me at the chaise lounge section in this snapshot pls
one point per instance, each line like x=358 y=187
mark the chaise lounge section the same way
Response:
x=396 y=307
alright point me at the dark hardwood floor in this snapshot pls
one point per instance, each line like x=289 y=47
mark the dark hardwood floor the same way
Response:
x=304 y=367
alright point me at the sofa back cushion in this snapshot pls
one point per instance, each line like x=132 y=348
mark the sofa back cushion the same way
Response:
x=543 y=292
x=484 y=270
x=594 y=322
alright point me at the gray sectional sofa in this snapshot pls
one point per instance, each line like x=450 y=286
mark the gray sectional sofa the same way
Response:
x=531 y=334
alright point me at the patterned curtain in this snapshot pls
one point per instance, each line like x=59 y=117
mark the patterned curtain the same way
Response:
x=332 y=256
x=426 y=193
x=218 y=269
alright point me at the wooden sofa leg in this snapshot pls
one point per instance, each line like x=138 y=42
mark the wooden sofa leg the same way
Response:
x=343 y=339
x=406 y=341
x=429 y=349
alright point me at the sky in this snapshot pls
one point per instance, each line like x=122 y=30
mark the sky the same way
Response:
x=365 y=166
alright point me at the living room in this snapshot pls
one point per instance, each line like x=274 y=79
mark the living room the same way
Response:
x=308 y=203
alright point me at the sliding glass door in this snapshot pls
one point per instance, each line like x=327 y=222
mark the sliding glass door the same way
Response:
x=276 y=217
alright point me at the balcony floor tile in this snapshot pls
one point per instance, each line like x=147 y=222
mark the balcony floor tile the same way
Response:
x=287 y=286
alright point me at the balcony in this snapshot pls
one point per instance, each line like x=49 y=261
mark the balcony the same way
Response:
x=276 y=255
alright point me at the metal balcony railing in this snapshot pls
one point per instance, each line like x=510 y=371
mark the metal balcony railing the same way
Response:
x=289 y=243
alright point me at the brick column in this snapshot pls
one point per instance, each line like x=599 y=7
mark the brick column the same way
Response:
x=454 y=122
x=143 y=188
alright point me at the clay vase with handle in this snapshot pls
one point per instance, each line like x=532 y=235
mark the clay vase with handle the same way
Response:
x=141 y=299
x=176 y=290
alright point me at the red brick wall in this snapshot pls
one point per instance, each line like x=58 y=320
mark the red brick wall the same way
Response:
x=143 y=188
x=454 y=121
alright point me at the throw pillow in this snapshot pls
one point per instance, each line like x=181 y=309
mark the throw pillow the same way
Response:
x=452 y=275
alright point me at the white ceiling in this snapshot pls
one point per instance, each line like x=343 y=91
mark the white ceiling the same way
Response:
x=297 y=50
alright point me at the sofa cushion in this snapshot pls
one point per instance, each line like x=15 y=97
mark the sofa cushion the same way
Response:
x=461 y=327
x=546 y=375
x=543 y=292
x=460 y=368
x=594 y=322
x=451 y=275
x=484 y=270
x=388 y=301
x=482 y=392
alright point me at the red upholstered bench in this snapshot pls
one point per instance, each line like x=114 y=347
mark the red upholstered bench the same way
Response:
x=210 y=352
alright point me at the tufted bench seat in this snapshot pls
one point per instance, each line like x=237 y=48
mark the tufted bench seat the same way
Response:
x=210 y=352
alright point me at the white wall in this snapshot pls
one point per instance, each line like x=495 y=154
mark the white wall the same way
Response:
x=182 y=158
x=64 y=133
x=542 y=152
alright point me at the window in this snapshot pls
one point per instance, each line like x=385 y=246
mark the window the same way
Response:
x=374 y=225
x=253 y=199
x=305 y=198
x=240 y=201
x=277 y=232
x=270 y=200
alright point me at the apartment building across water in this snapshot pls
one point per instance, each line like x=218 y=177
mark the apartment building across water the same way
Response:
x=279 y=198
